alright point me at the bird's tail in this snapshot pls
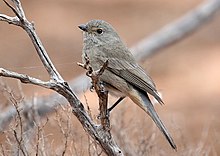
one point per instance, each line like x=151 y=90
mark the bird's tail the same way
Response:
x=149 y=108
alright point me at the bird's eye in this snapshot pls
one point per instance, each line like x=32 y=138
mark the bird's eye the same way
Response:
x=99 y=31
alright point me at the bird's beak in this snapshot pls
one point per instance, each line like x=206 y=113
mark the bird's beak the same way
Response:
x=83 y=27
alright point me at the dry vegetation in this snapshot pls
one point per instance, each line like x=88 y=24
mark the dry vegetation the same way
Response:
x=187 y=73
x=61 y=134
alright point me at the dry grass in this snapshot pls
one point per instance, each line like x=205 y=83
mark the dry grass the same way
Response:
x=61 y=134
x=188 y=73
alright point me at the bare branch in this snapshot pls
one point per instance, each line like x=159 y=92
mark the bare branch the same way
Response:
x=101 y=92
x=10 y=20
x=176 y=30
x=29 y=28
x=19 y=8
x=26 y=79
x=103 y=99
x=57 y=84
x=168 y=35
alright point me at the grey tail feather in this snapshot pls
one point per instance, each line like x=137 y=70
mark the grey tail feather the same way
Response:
x=151 y=111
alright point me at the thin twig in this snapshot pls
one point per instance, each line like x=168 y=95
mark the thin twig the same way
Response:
x=57 y=84
x=2 y=150
x=19 y=124
x=14 y=10
x=19 y=142
x=142 y=50
x=39 y=131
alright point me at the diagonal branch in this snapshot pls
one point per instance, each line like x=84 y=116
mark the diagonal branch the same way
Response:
x=14 y=10
x=29 y=28
x=176 y=30
x=57 y=83
x=19 y=8
x=185 y=25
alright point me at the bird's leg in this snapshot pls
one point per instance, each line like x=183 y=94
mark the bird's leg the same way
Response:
x=113 y=106
x=116 y=103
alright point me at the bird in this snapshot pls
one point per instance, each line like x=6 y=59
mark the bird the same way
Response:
x=123 y=76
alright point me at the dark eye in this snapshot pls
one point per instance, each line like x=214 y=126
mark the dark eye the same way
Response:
x=99 y=31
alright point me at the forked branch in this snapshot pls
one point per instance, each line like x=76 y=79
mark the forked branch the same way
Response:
x=100 y=90
x=56 y=82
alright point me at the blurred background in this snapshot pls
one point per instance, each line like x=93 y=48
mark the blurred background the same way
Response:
x=187 y=73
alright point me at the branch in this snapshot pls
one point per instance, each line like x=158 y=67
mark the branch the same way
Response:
x=184 y=26
x=176 y=30
x=101 y=92
x=20 y=20
x=25 y=78
x=10 y=20
x=56 y=82
x=103 y=98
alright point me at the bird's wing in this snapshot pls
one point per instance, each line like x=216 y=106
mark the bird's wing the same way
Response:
x=134 y=74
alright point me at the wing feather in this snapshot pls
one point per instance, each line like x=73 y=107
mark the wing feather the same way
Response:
x=134 y=74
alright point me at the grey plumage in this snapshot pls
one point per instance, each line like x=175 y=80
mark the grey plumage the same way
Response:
x=123 y=76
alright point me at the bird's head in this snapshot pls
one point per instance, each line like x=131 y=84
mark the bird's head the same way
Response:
x=99 y=32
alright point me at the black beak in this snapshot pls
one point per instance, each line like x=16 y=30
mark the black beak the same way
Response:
x=83 y=27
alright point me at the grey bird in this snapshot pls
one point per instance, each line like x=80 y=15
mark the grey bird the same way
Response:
x=123 y=76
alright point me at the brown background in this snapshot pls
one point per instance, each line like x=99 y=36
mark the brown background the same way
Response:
x=186 y=73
